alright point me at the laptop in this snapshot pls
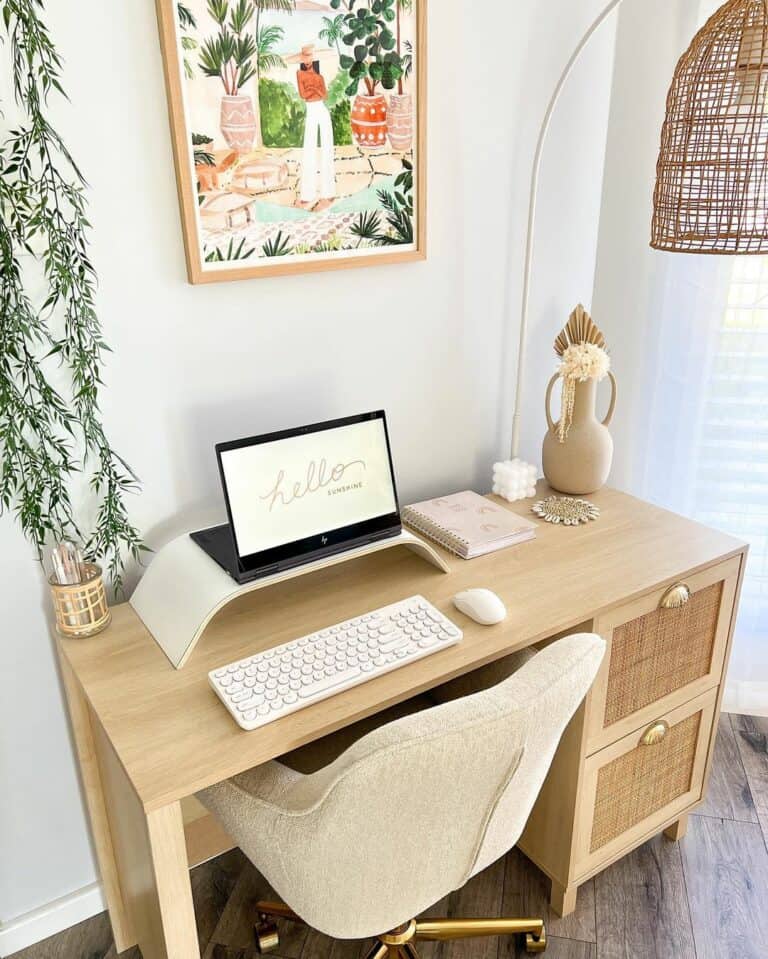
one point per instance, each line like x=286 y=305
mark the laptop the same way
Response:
x=300 y=495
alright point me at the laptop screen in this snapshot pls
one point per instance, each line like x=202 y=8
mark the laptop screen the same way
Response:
x=303 y=490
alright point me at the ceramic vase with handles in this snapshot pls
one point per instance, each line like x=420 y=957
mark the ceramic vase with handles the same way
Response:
x=582 y=463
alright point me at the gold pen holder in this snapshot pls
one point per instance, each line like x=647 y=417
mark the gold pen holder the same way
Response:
x=81 y=610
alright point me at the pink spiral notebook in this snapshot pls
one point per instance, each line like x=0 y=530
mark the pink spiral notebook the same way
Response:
x=468 y=524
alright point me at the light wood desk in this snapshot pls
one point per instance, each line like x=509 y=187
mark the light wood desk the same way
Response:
x=149 y=736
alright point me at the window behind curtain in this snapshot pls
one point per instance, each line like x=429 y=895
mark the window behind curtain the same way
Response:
x=730 y=489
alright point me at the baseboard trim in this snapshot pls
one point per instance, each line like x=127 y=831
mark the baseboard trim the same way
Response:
x=54 y=917
x=749 y=699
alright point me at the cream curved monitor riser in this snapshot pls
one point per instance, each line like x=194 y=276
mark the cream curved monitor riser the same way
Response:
x=183 y=588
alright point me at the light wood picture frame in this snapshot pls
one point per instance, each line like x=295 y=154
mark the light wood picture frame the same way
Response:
x=326 y=168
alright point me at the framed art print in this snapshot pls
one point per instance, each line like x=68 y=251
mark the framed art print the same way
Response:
x=298 y=131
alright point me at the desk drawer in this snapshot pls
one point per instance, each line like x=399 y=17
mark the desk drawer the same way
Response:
x=663 y=650
x=634 y=787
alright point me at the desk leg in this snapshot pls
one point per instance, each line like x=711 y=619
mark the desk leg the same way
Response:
x=165 y=827
x=563 y=898
x=678 y=829
x=79 y=711
x=152 y=857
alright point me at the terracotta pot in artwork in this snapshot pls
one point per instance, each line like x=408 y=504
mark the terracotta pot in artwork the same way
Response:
x=238 y=122
x=581 y=464
x=400 y=124
x=369 y=121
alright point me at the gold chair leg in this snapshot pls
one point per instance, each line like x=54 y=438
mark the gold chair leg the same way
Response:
x=277 y=910
x=266 y=931
x=379 y=950
x=409 y=951
x=441 y=930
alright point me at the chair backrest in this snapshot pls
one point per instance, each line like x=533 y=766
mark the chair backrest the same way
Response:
x=416 y=807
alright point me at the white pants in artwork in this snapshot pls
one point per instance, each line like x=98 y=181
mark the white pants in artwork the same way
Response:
x=318 y=120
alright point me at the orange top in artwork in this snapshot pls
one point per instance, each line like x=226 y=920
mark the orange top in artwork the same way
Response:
x=311 y=86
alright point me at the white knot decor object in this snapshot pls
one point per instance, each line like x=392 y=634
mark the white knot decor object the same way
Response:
x=515 y=480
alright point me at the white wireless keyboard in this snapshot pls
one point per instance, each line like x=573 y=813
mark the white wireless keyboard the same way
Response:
x=262 y=688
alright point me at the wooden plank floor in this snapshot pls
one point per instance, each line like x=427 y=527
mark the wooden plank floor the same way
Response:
x=703 y=898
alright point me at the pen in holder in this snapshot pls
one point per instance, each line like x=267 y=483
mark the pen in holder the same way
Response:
x=81 y=606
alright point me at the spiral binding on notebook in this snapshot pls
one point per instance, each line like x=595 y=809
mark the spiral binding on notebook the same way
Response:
x=440 y=534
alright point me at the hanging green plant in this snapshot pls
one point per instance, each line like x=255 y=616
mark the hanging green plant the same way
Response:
x=50 y=433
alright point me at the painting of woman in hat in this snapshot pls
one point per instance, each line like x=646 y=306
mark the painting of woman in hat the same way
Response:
x=318 y=187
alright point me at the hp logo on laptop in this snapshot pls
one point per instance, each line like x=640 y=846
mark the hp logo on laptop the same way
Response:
x=324 y=540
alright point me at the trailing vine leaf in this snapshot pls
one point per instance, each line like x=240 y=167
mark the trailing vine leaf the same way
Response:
x=48 y=435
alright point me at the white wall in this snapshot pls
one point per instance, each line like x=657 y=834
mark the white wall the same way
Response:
x=193 y=365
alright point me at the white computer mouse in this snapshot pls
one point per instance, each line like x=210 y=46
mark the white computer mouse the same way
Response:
x=481 y=605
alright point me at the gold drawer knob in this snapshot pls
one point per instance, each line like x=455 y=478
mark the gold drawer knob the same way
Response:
x=675 y=597
x=654 y=734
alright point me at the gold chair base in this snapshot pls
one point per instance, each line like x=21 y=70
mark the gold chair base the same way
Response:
x=399 y=943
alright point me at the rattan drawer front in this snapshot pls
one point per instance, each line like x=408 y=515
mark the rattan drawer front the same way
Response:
x=633 y=788
x=661 y=655
x=660 y=652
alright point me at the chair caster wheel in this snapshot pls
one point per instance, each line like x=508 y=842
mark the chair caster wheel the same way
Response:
x=267 y=938
x=532 y=944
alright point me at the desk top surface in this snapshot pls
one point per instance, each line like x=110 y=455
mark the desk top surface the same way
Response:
x=174 y=737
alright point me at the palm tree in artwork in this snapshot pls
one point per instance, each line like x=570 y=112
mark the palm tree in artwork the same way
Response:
x=333 y=31
x=266 y=58
x=403 y=6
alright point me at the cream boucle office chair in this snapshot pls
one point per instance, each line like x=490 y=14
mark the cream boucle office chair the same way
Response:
x=360 y=836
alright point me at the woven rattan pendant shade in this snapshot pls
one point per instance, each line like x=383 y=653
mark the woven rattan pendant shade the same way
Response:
x=712 y=176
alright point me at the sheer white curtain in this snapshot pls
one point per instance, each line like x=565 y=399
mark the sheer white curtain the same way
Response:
x=688 y=337
x=706 y=433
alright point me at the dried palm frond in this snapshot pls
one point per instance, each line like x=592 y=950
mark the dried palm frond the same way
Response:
x=579 y=329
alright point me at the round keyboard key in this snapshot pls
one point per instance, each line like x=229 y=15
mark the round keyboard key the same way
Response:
x=303 y=641
x=291 y=698
x=226 y=681
x=243 y=694
x=400 y=653
x=250 y=715
x=250 y=681
x=274 y=672
x=271 y=684
x=329 y=660
x=234 y=688
x=270 y=695
x=334 y=630
x=307 y=681
x=291 y=646
x=426 y=643
x=329 y=671
x=295 y=684
x=283 y=689
x=276 y=705
x=259 y=688
x=295 y=673
x=233 y=669
x=380 y=661
x=239 y=675
x=263 y=709
x=219 y=673
x=307 y=670
x=367 y=666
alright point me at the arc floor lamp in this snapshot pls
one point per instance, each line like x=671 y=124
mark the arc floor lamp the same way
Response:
x=711 y=191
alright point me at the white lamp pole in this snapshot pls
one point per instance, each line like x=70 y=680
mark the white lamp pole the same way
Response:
x=532 y=218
